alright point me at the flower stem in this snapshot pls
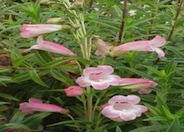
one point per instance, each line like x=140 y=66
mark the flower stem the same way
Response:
x=151 y=23
x=89 y=114
x=122 y=27
x=180 y=6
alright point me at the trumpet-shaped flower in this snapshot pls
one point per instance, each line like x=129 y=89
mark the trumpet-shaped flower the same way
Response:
x=123 y=108
x=32 y=30
x=147 y=45
x=74 y=91
x=51 y=47
x=102 y=48
x=37 y=105
x=138 y=84
x=98 y=77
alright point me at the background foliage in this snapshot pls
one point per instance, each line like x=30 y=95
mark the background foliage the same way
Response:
x=43 y=75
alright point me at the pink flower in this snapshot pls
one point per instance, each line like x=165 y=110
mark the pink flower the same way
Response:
x=98 y=77
x=32 y=30
x=74 y=91
x=102 y=48
x=51 y=47
x=123 y=108
x=38 y=105
x=138 y=84
x=147 y=45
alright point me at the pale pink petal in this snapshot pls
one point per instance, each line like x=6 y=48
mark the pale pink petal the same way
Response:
x=134 y=46
x=127 y=115
x=133 y=99
x=100 y=69
x=144 y=45
x=32 y=30
x=140 y=108
x=90 y=70
x=160 y=52
x=129 y=81
x=35 y=105
x=82 y=81
x=98 y=77
x=109 y=111
x=114 y=80
x=106 y=69
x=102 y=48
x=123 y=108
x=33 y=100
x=136 y=83
x=74 y=91
x=51 y=47
x=24 y=107
x=144 y=91
x=158 y=41
x=100 y=86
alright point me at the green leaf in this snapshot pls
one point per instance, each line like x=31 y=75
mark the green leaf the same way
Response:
x=43 y=57
x=7 y=96
x=18 y=117
x=14 y=126
x=3 y=103
x=152 y=69
x=33 y=10
x=62 y=76
x=118 y=129
x=175 y=126
x=150 y=128
x=167 y=113
x=5 y=79
x=21 y=60
x=35 y=77
x=33 y=121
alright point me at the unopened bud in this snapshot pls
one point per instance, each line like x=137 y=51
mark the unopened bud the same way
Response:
x=77 y=26
x=46 y=2
x=55 y=20
x=66 y=27
x=78 y=3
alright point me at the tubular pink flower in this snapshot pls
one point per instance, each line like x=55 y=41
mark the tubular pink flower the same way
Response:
x=138 y=84
x=102 y=48
x=37 y=105
x=147 y=45
x=74 y=91
x=123 y=108
x=51 y=47
x=32 y=30
x=98 y=77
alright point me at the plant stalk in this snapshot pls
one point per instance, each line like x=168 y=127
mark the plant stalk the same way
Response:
x=122 y=27
x=180 y=6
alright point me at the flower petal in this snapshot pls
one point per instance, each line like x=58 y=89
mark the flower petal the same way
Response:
x=51 y=47
x=109 y=112
x=32 y=30
x=100 y=86
x=127 y=116
x=160 y=52
x=37 y=105
x=33 y=100
x=133 y=99
x=158 y=41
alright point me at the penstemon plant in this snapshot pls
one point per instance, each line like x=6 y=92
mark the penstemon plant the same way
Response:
x=99 y=90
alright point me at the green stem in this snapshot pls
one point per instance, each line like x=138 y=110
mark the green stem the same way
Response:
x=98 y=100
x=89 y=113
x=180 y=6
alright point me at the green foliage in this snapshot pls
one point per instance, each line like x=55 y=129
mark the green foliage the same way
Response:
x=45 y=75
